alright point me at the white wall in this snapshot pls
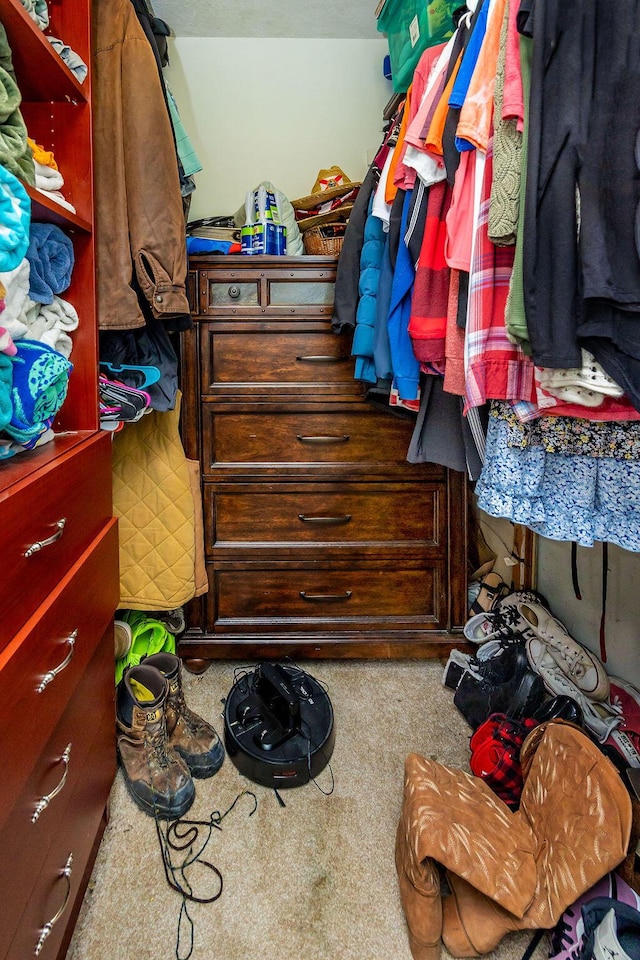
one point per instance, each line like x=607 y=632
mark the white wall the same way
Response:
x=277 y=110
x=582 y=617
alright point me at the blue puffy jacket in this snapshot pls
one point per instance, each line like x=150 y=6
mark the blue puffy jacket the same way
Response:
x=370 y=260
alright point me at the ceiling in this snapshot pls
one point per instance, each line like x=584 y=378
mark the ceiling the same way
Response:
x=267 y=19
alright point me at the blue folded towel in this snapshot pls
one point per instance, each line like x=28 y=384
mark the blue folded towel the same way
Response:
x=15 y=214
x=204 y=245
x=51 y=260
x=6 y=379
x=40 y=383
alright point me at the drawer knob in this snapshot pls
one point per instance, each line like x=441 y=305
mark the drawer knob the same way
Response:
x=325 y=597
x=48 y=677
x=323 y=439
x=321 y=358
x=325 y=521
x=39 y=544
x=44 y=802
x=48 y=927
x=234 y=291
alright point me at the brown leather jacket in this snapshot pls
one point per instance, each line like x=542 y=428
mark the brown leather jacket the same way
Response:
x=138 y=205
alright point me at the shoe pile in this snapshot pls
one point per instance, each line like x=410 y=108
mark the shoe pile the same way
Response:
x=162 y=744
x=566 y=668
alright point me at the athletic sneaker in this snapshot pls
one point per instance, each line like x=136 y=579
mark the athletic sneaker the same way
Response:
x=567 y=937
x=626 y=737
x=611 y=931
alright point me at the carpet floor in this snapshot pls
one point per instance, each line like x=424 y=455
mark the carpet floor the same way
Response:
x=314 y=879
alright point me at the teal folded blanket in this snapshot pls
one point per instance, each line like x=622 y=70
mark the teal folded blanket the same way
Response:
x=39 y=387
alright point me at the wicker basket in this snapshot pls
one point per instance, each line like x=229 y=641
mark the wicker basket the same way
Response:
x=325 y=240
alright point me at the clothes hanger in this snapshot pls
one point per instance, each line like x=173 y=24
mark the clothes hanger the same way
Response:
x=150 y=374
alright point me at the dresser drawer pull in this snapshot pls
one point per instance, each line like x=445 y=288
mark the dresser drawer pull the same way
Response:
x=48 y=677
x=324 y=597
x=48 y=927
x=44 y=802
x=39 y=544
x=234 y=292
x=325 y=521
x=321 y=358
x=323 y=439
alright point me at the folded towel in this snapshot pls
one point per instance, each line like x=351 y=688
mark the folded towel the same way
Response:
x=38 y=11
x=50 y=322
x=51 y=259
x=72 y=59
x=15 y=213
x=39 y=387
x=47 y=178
x=57 y=196
x=10 y=97
x=16 y=298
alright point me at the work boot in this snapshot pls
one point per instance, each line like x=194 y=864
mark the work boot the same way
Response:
x=192 y=737
x=156 y=777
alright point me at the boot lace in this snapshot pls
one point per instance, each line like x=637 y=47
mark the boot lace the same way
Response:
x=156 y=747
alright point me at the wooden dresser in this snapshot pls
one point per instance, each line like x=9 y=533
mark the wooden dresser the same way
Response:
x=60 y=555
x=320 y=539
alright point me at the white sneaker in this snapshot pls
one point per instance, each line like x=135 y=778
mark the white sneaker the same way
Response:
x=600 y=716
x=576 y=662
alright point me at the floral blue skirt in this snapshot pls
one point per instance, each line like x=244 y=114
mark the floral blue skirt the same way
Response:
x=581 y=498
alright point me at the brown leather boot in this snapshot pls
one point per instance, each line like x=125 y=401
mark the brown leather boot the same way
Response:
x=156 y=777
x=192 y=737
x=420 y=895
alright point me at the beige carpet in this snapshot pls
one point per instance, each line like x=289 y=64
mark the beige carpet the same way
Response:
x=312 y=881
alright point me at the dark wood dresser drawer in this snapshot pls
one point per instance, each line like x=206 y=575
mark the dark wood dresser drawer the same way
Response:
x=278 y=357
x=363 y=596
x=43 y=665
x=292 y=437
x=357 y=518
x=82 y=746
x=277 y=286
x=46 y=525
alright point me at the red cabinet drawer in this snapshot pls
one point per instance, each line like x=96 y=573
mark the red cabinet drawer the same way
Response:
x=67 y=503
x=24 y=840
x=63 y=639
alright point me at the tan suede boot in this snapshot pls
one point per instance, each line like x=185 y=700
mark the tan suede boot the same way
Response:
x=579 y=811
x=420 y=894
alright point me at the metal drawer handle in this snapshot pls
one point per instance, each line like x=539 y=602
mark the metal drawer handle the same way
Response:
x=234 y=292
x=48 y=677
x=39 y=544
x=48 y=927
x=44 y=802
x=319 y=358
x=324 y=597
x=323 y=439
x=325 y=521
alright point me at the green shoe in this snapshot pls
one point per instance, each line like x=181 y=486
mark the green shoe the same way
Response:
x=149 y=636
